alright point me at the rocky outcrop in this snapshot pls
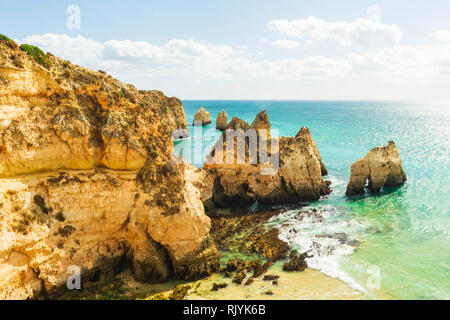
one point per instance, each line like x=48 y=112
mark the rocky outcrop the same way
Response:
x=201 y=117
x=381 y=167
x=238 y=124
x=87 y=181
x=306 y=135
x=248 y=177
x=262 y=122
x=222 y=121
x=173 y=108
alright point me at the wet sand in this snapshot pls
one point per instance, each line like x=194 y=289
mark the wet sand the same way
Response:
x=306 y=285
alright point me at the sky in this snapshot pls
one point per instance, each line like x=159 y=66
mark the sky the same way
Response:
x=249 y=49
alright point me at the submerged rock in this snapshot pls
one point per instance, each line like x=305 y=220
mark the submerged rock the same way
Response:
x=222 y=121
x=381 y=167
x=201 y=117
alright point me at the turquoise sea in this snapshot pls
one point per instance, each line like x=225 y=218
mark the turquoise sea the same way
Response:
x=404 y=233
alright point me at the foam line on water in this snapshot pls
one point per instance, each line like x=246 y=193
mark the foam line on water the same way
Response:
x=324 y=234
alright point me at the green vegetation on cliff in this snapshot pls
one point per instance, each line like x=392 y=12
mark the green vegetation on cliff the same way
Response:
x=38 y=55
x=8 y=41
x=4 y=38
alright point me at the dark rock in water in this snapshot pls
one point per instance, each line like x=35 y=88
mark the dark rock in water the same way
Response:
x=292 y=254
x=275 y=282
x=297 y=262
x=270 y=277
x=269 y=293
x=341 y=236
x=250 y=281
x=354 y=243
x=228 y=274
x=216 y=286
x=240 y=276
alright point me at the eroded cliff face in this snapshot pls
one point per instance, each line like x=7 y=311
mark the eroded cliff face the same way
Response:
x=298 y=176
x=87 y=180
x=381 y=167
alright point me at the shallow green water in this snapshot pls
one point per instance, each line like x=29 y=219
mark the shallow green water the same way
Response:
x=404 y=232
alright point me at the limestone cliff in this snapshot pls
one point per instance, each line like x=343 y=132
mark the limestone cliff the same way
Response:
x=87 y=180
x=251 y=178
x=381 y=167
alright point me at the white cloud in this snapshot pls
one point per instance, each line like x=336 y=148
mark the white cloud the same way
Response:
x=441 y=35
x=363 y=32
x=79 y=50
x=188 y=68
x=286 y=44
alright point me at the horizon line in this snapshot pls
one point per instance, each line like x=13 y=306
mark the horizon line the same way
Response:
x=343 y=100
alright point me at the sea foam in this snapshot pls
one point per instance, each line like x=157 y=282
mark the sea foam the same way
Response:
x=324 y=234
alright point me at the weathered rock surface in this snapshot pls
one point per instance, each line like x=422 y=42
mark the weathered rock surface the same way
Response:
x=201 y=117
x=87 y=180
x=244 y=176
x=222 y=121
x=247 y=234
x=238 y=124
x=381 y=167
x=297 y=262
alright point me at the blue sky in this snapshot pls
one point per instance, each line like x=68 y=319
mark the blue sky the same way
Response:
x=251 y=49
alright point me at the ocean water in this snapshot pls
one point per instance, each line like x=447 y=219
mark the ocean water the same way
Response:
x=403 y=233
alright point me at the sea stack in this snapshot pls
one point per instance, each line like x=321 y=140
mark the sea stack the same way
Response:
x=222 y=121
x=201 y=117
x=295 y=176
x=381 y=167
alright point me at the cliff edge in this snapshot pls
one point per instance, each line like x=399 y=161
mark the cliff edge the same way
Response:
x=87 y=180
